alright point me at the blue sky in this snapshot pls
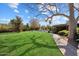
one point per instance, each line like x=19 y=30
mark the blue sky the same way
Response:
x=28 y=11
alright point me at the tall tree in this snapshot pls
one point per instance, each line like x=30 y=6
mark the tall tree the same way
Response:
x=12 y=24
x=27 y=27
x=55 y=10
x=34 y=24
x=72 y=25
x=16 y=24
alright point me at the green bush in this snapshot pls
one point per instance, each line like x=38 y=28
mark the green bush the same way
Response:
x=77 y=37
x=55 y=30
x=77 y=40
x=63 y=32
x=77 y=29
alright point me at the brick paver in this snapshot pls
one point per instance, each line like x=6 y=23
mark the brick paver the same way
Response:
x=66 y=48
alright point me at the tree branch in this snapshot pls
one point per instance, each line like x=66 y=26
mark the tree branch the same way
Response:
x=77 y=18
x=60 y=15
x=57 y=15
x=76 y=8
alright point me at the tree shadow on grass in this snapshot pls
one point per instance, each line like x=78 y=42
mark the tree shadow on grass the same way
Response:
x=37 y=45
x=29 y=49
x=74 y=51
x=68 y=50
x=11 y=48
x=65 y=46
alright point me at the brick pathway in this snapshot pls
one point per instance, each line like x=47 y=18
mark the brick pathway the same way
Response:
x=65 y=48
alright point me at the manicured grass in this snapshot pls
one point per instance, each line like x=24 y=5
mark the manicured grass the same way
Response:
x=28 y=44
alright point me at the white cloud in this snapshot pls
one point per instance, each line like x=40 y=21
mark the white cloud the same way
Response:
x=42 y=23
x=56 y=17
x=15 y=10
x=52 y=8
x=45 y=13
x=28 y=17
x=76 y=5
x=57 y=20
x=35 y=17
x=13 y=5
x=45 y=9
x=26 y=11
x=4 y=21
x=59 y=17
x=41 y=7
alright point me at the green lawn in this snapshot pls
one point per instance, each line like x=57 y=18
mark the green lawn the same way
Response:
x=28 y=44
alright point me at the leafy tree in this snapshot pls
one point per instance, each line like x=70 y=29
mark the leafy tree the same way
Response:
x=16 y=24
x=27 y=27
x=4 y=28
x=12 y=24
x=42 y=27
x=49 y=27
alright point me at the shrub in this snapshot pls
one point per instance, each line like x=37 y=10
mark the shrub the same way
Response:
x=77 y=40
x=77 y=29
x=4 y=28
x=63 y=32
x=57 y=28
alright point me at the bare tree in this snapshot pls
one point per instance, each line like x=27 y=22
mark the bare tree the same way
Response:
x=72 y=25
x=54 y=10
x=34 y=24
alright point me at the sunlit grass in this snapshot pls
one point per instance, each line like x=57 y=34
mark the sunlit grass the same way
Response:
x=29 y=43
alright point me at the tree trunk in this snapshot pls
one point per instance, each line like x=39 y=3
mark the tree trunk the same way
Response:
x=72 y=26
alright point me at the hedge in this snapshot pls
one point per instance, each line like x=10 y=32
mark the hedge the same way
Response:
x=63 y=33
